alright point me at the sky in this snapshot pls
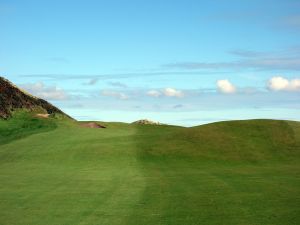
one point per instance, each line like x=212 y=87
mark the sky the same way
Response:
x=183 y=62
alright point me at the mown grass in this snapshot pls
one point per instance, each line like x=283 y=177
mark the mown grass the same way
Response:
x=240 y=172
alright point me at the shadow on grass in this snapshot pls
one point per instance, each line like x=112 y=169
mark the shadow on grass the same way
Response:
x=231 y=173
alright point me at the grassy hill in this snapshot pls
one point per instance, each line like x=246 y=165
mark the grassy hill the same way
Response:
x=54 y=171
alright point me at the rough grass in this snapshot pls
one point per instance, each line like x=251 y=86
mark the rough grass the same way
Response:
x=23 y=124
x=240 y=172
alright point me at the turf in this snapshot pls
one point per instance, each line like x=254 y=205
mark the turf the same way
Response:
x=21 y=125
x=239 y=172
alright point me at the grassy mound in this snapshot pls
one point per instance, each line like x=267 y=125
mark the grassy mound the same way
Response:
x=239 y=172
x=251 y=140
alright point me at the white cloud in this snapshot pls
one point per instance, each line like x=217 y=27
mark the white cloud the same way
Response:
x=171 y=92
x=282 y=84
x=40 y=90
x=154 y=93
x=168 y=92
x=114 y=94
x=224 y=86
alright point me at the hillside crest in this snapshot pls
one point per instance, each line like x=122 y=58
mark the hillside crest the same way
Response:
x=13 y=98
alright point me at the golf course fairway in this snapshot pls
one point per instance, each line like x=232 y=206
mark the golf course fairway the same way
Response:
x=56 y=172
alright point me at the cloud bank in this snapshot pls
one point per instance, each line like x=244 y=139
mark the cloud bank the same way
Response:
x=167 y=92
x=279 y=83
x=287 y=59
x=40 y=90
x=115 y=94
x=154 y=93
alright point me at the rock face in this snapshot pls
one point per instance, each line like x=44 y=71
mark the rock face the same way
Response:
x=145 y=121
x=12 y=98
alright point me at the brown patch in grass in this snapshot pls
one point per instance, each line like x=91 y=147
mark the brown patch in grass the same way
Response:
x=43 y=115
x=92 y=125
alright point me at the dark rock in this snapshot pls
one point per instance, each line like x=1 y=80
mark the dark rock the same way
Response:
x=13 y=98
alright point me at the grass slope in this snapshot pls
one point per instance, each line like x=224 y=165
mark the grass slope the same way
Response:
x=23 y=124
x=240 y=172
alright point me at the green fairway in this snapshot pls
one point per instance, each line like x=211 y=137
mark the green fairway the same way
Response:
x=55 y=172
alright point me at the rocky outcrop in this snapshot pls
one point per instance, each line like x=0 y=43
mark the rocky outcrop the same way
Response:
x=145 y=121
x=13 y=98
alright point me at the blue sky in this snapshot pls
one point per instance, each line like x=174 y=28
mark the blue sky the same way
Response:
x=184 y=62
